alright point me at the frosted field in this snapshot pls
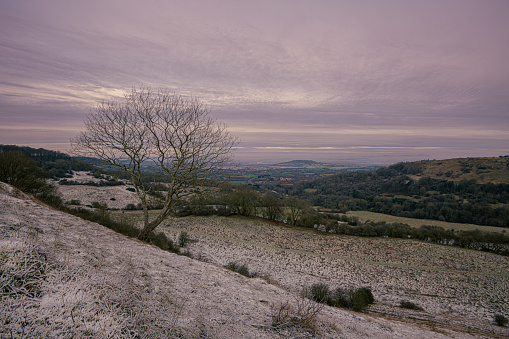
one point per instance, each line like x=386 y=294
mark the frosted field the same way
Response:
x=460 y=290
x=456 y=287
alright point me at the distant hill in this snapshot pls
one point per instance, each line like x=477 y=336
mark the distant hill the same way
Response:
x=56 y=164
x=483 y=170
x=470 y=190
x=299 y=163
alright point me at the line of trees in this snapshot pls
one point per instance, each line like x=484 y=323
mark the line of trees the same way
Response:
x=477 y=240
x=247 y=202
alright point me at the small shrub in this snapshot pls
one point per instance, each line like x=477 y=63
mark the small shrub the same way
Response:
x=132 y=207
x=500 y=320
x=183 y=239
x=124 y=228
x=341 y=298
x=362 y=298
x=410 y=305
x=240 y=269
x=353 y=299
x=74 y=202
x=203 y=210
x=186 y=253
x=160 y=240
x=181 y=212
x=103 y=217
x=96 y=204
x=320 y=293
x=223 y=211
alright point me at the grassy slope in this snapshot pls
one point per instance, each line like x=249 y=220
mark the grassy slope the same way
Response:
x=484 y=170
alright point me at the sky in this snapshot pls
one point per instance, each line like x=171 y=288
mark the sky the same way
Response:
x=327 y=80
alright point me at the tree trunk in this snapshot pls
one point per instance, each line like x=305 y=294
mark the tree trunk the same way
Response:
x=145 y=231
x=149 y=227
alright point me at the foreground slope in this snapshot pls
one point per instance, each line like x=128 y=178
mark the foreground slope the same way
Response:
x=86 y=281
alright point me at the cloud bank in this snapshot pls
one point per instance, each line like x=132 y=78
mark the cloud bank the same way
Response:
x=332 y=81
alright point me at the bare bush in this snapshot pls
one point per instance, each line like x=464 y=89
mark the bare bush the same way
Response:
x=240 y=269
x=354 y=299
x=302 y=313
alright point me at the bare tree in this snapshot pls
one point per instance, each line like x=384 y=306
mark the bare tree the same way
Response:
x=273 y=207
x=296 y=209
x=244 y=201
x=161 y=128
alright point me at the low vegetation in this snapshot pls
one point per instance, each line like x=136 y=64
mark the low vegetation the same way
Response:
x=501 y=320
x=410 y=305
x=23 y=172
x=240 y=269
x=353 y=299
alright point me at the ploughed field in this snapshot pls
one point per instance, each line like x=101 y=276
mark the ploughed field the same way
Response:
x=458 y=289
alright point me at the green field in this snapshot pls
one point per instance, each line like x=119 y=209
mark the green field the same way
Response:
x=365 y=215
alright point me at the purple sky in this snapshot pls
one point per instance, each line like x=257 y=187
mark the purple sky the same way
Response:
x=357 y=81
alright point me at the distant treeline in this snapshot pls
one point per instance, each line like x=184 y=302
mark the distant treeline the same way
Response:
x=56 y=164
x=478 y=240
x=390 y=191
x=101 y=183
